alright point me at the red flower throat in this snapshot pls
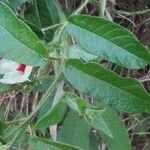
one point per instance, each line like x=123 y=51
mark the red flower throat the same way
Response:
x=21 y=68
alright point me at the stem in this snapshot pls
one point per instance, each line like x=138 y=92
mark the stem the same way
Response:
x=15 y=121
x=51 y=27
x=60 y=11
x=132 y=13
x=82 y=6
x=102 y=7
x=58 y=94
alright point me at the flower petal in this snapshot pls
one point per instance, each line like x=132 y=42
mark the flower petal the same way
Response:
x=7 y=65
x=11 y=73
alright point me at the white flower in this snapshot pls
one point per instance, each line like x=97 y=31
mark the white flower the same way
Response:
x=12 y=72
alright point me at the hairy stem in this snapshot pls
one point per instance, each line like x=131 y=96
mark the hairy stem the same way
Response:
x=82 y=6
x=102 y=7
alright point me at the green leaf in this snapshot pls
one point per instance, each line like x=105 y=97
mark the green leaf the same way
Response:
x=94 y=142
x=22 y=142
x=2 y=113
x=39 y=143
x=35 y=144
x=96 y=119
x=52 y=9
x=8 y=4
x=75 y=131
x=3 y=126
x=41 y=18
x=77 y=52
x=102 y=118
x=107 y=118
x=124 y=94
x=17 y=41
x=35 y=29
x=44 y=83
x=16 y=3
x=75 y=102
x=113 y=42
x=54 y=116
x=80 y=105
x=4 y=88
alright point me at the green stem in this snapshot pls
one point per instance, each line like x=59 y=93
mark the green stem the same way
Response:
x=51 y=27
x=102 y=7
x=82 y=6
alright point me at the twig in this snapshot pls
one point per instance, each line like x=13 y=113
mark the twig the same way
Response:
x=102 y=7
x=145 y=79
x=132 y=13
x=51 y=27
x=82 y=6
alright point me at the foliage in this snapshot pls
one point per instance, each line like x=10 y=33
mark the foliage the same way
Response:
x=80 y=98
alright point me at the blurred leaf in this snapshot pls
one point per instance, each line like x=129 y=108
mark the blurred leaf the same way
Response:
x=74 y=102
x=4 y=147
x=54 y=116
x=2 y=112
x=22 y=142
x=107 y=120
x=75 y=131
x=3 y=126
x=45 y=108
x=39 y=143
x=40 y=17
x=94 y=143
x=4 y=88
x=124 y=94
x=35 y=29
x=16 y=3
x=8 y=4
x=112 y=41
x=23 y=46
x=44 y=83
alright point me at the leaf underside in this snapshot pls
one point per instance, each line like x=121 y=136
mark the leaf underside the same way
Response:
x=113 y=42
x=124 y=94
